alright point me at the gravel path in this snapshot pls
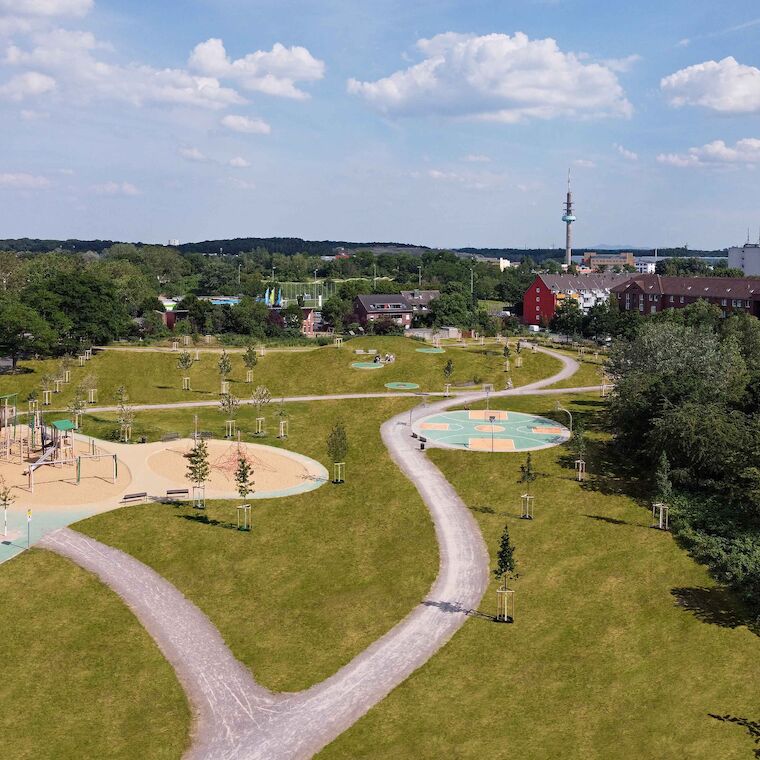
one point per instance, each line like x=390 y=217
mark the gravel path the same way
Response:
x=236 y=719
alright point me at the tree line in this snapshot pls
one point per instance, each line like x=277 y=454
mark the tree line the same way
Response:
x=686 y=405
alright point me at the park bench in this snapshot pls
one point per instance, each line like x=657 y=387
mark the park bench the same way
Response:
x=423 y=441
x=372 y=351
x=205 y=434
x=173 y=492
x=359 y=351
x=465 y=384
x=130 y=497
x=170 y=437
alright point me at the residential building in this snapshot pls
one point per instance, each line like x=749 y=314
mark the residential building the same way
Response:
x=548 y=291
x=420 y=299
x=609 y=260
x=746 y=258
x=372 y=308
x=645 y=266
x=651 y=293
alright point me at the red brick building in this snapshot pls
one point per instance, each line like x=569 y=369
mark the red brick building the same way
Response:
x=548 y=291
x=650 y=293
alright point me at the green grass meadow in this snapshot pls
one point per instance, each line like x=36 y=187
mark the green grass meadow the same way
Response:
x=321 y=575
x=153 y=377
x=81 y=678
x=621 y=647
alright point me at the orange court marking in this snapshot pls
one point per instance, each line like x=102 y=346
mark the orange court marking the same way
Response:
x=434 y=426
x=484 y=444
x=547 y=430
x=484 y=414
x=490 y=428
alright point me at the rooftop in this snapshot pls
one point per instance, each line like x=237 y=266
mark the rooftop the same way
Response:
x=696 y=287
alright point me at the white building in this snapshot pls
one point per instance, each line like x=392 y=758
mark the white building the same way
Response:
x=746 y=258
x=174 y=242
x=645 y=266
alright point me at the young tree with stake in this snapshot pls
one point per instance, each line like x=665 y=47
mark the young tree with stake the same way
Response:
x=337 y=446
x=505 y=558
x=527 y=473
x=184 y=365
x=448 y=370
x=662 y=480
x=6 y=499
x=250 y=359
x=198 y=471
x=244 y=477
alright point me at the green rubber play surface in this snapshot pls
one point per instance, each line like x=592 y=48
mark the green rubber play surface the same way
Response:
x=430 y=350
x=494 y=430
x=402 y=386
x=367 y=365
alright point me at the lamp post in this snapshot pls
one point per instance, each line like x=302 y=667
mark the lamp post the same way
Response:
x=561 y=408
x=492 y=419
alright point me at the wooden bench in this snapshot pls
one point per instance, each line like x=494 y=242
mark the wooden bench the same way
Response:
x=359 y=351
x=205 y=434
x=170 y=437
x=129 y=497
x=177 y=492
x=423 y=441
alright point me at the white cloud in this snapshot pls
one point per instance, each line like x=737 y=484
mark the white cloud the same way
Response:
x=29 y=84
x=245 y=124
x=239 y=163
x=498 y=78
x=192 y=154
x=274 y=72
x=625 y=153
x=69 y=57
x=584 y=163
x=621 y=65
x=241 y=184
x=23 y=181
x=477 y=158
x=28 y=114
x=716 y=153
x=726 y=86
x=46 y=7
x=470 y=180
x=116 y=188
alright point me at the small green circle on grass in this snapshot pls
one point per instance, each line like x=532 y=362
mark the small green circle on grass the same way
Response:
x=430 y=350
x=367 y=365
x=402 y=386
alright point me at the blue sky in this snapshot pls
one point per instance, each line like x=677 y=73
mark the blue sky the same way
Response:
x=439 y=123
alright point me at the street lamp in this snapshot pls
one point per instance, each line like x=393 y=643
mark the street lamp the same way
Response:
x=561 y=408
x=492 y=419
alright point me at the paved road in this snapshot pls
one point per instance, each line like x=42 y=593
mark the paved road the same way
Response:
x=238 y=720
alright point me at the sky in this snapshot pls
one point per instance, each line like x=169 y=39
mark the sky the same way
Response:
x=447 y=123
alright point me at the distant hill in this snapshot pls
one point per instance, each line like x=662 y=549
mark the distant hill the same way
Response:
x=291 y=246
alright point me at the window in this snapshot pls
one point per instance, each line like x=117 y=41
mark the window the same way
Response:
x=723 y=302
x=537 y=299
x=538 y=290
x=681 y=299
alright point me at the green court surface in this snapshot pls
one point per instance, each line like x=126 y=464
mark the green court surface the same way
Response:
x=367 y=365
x=402 y=386
x=494 y=430
x=430 y=350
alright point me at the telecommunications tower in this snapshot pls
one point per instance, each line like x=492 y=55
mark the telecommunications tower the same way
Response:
x=568 y=218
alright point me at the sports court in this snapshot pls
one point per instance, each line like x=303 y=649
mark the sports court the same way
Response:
x=491 y=430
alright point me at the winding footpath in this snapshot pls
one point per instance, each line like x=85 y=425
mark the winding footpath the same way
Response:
x=235 y=718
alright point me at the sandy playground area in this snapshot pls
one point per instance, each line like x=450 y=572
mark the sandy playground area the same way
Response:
x=56 y=485
x=276 y=472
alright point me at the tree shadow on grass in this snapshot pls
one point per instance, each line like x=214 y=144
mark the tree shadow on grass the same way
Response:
x=714 y=605
x=611 y=475
x=206 y=520
x=455 y=607
x=610 y=520
x=752 y=727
